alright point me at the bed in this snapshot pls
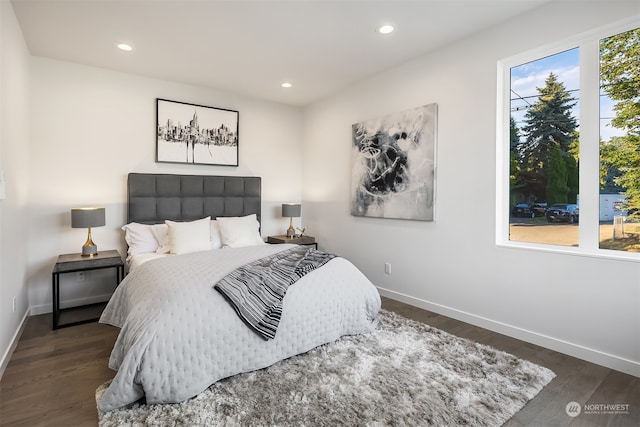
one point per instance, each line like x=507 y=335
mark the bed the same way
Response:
x=179 y=333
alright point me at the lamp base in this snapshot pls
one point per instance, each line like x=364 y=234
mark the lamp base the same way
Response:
x=89 y=248
x=291 y=232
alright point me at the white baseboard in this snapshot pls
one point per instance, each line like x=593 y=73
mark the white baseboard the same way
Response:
x=14 y=343
x=48 y=308
x=594 y=356
x=43 y=309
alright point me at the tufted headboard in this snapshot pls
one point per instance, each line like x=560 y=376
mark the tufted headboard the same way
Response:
x=152 y=198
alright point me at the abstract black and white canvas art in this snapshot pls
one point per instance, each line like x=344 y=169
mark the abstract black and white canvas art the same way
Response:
x=393 y=165
x=195 y=134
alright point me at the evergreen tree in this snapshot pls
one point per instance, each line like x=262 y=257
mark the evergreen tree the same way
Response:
x=573 y=179
x=515 y=183
x=514 y=134
x=549 y=125
x=557 y=188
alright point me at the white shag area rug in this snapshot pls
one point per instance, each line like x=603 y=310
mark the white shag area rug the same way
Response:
x=404 y=373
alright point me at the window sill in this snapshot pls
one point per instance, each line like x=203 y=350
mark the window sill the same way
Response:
x=572 y=251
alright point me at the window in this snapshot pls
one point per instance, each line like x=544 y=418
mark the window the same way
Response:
x=569 y=146
x=544 y=150
x=620 y=141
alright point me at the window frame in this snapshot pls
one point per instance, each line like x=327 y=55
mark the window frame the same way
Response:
x=589 y=127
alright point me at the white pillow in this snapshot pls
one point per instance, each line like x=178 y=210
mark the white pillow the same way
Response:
x=216 y=238
x=161 y=232
x=193 y=236
x=237 y=232
x=139 y=238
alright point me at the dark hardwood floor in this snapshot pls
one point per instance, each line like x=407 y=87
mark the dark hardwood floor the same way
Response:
x=52 y=376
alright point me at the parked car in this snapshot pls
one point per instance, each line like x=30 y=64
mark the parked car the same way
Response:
x=521 y=210
x=563 y=212
x=538 y=209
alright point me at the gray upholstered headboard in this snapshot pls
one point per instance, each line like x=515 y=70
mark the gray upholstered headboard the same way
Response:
x=152 y=198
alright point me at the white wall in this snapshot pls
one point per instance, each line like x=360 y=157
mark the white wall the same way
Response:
x=586 y=307
x=90 y=127
x=14 y=145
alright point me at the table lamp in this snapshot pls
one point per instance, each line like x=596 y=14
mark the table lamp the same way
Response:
x=87 y=218
x=291 y=210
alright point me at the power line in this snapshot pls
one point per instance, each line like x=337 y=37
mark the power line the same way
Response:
x=602 y=86
x=518 y=95
x=524 y=98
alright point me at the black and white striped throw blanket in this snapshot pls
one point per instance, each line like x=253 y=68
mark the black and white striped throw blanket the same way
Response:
x=256 y=290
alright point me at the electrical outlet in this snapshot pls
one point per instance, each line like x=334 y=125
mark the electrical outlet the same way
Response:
x=14 y=304
x=80 y=276
x=387 y=267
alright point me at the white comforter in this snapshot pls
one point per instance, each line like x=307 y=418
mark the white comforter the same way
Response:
x=178 y=335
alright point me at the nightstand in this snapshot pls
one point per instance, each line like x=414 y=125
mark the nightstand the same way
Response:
x=298 y=240
x=72 y=263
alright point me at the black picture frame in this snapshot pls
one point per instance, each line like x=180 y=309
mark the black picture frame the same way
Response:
x=196 y=134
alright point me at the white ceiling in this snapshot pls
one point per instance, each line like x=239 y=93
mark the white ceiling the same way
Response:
x=251 y=47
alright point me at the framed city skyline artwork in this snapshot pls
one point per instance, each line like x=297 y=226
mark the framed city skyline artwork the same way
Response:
x=393 y=165
x=196 y=134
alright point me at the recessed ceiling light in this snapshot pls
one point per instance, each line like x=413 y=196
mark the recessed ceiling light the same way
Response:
x=286 y=85
x=124 y=46
x=385 y=29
